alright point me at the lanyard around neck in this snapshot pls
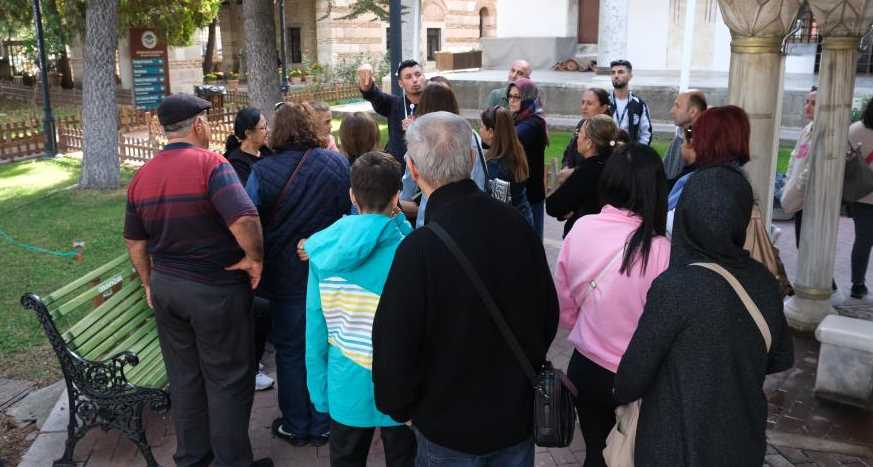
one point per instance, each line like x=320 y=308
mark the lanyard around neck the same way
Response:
x=623 y=112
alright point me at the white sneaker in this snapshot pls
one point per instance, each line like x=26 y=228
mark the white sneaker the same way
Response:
x=262 y=381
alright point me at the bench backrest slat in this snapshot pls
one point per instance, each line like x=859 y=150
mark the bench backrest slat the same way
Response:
x=83 y=299
x=72 y=286
x=107 y=309
x=101 y=350
x=109 y=332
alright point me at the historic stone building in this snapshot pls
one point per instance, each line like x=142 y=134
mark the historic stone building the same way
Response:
x=316 y=34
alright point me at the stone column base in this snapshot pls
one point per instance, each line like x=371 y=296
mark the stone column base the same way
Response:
x=804 y=314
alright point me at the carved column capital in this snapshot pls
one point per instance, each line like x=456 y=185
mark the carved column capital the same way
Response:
x=754 y=18
x=842 y=18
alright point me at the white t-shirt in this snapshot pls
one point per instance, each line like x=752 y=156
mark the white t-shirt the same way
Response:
x=620 y=116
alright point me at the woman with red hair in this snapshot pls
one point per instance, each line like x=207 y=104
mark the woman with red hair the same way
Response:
x=720 y=136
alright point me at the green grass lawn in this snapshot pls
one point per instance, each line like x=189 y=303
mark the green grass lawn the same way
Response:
x=36 y=210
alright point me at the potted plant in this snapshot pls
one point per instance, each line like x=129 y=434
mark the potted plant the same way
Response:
x=296 y=76
x=209 y=78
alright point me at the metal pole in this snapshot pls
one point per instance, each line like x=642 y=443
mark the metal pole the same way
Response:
x=48 y=122
x=396 y=44
x=284 y=42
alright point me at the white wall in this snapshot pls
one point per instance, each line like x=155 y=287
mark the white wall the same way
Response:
x=647 y=28
x=536 y=18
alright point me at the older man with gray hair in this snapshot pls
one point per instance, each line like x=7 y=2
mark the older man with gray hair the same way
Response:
x=439 y=360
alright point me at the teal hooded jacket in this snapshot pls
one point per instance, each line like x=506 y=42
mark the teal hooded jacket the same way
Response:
x=348 y=265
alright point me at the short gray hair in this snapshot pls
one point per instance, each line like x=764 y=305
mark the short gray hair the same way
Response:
x=181 y=126
x=439 y=145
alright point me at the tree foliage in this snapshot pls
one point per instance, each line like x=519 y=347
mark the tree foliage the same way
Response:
x=177 y=19
x=379 y=8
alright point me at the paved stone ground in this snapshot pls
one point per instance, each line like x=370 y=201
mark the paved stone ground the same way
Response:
x=802 y=431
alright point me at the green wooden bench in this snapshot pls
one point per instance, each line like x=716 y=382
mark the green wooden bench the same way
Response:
x=106 y=339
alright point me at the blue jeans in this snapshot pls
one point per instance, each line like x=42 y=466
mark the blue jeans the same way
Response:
x=538 y=212
x=432 y=455
x=289 y=338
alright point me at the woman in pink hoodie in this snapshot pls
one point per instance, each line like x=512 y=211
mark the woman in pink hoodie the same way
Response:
x=606 y=266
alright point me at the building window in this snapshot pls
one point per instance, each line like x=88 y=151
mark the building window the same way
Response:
x=433 y=42
x=295 y=46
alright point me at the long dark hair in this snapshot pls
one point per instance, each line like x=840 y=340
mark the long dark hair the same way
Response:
x=867 y=116
x=634 y=179
x=246 y=119
x=506 y=144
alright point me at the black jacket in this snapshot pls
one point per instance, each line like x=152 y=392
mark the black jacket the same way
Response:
x=242 y=161
x=392 y=108
x=697 y=359
x=578 y=194
x=534 y=139
x=438 y=358
x=637 y=115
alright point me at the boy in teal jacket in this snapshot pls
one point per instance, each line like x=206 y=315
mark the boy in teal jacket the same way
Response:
x=348 y=265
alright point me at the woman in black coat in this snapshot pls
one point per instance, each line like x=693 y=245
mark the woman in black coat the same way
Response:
x=578 y=194
x=697 y=359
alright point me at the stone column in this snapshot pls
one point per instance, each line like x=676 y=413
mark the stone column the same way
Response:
x=611 y=33
x=755 y=83
x=411 y=29
x=841 y=23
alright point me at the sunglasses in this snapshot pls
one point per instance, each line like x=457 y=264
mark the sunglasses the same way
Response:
x=689 y=132
x=278 y=105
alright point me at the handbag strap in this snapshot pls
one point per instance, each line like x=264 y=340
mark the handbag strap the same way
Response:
x=596 y=282
x=468 y=268
x=281 y=196
x=744 y=297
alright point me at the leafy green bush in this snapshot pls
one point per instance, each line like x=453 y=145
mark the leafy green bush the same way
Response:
x=858 y=106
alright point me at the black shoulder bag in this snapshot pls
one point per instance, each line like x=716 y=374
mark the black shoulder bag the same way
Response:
x=553 y=409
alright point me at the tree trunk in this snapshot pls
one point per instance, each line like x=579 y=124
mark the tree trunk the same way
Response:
x=210 y=48
x=260 y=36
x=99 y=110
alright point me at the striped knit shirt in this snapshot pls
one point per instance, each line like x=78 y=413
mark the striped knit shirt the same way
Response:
x=182 y=202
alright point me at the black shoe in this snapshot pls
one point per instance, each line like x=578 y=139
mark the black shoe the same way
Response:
x=320 y=440
x=265 y=462
x=290 y=438
x=859 y=290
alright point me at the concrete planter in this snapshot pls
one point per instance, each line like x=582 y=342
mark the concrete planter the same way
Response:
x=845 y=361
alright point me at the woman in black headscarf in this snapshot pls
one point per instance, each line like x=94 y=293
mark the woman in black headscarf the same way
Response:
x=697 y=359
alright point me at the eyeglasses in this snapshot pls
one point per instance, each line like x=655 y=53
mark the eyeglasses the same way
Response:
x=278 y=105
x=515 y=97
x=689 y=132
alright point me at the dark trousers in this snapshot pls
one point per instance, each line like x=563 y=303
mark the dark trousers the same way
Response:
x=595 y=405
x=431 y=454
x=349 y=446
x=289 y=339
x=862 y=214
x=206 y=336
x=798 y=224
x=263 y=325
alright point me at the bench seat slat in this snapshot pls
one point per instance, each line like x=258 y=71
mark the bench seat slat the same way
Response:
x=147 y=359
x=72 y=286
x=156 y=378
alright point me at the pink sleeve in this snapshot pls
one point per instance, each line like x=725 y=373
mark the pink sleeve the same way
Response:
x=568 y=306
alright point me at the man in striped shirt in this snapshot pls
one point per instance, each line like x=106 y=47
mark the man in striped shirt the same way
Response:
x=194 y=237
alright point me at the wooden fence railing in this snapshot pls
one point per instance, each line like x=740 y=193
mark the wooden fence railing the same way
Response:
x=21 y=139
x=326 y=93
x=20 y=92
